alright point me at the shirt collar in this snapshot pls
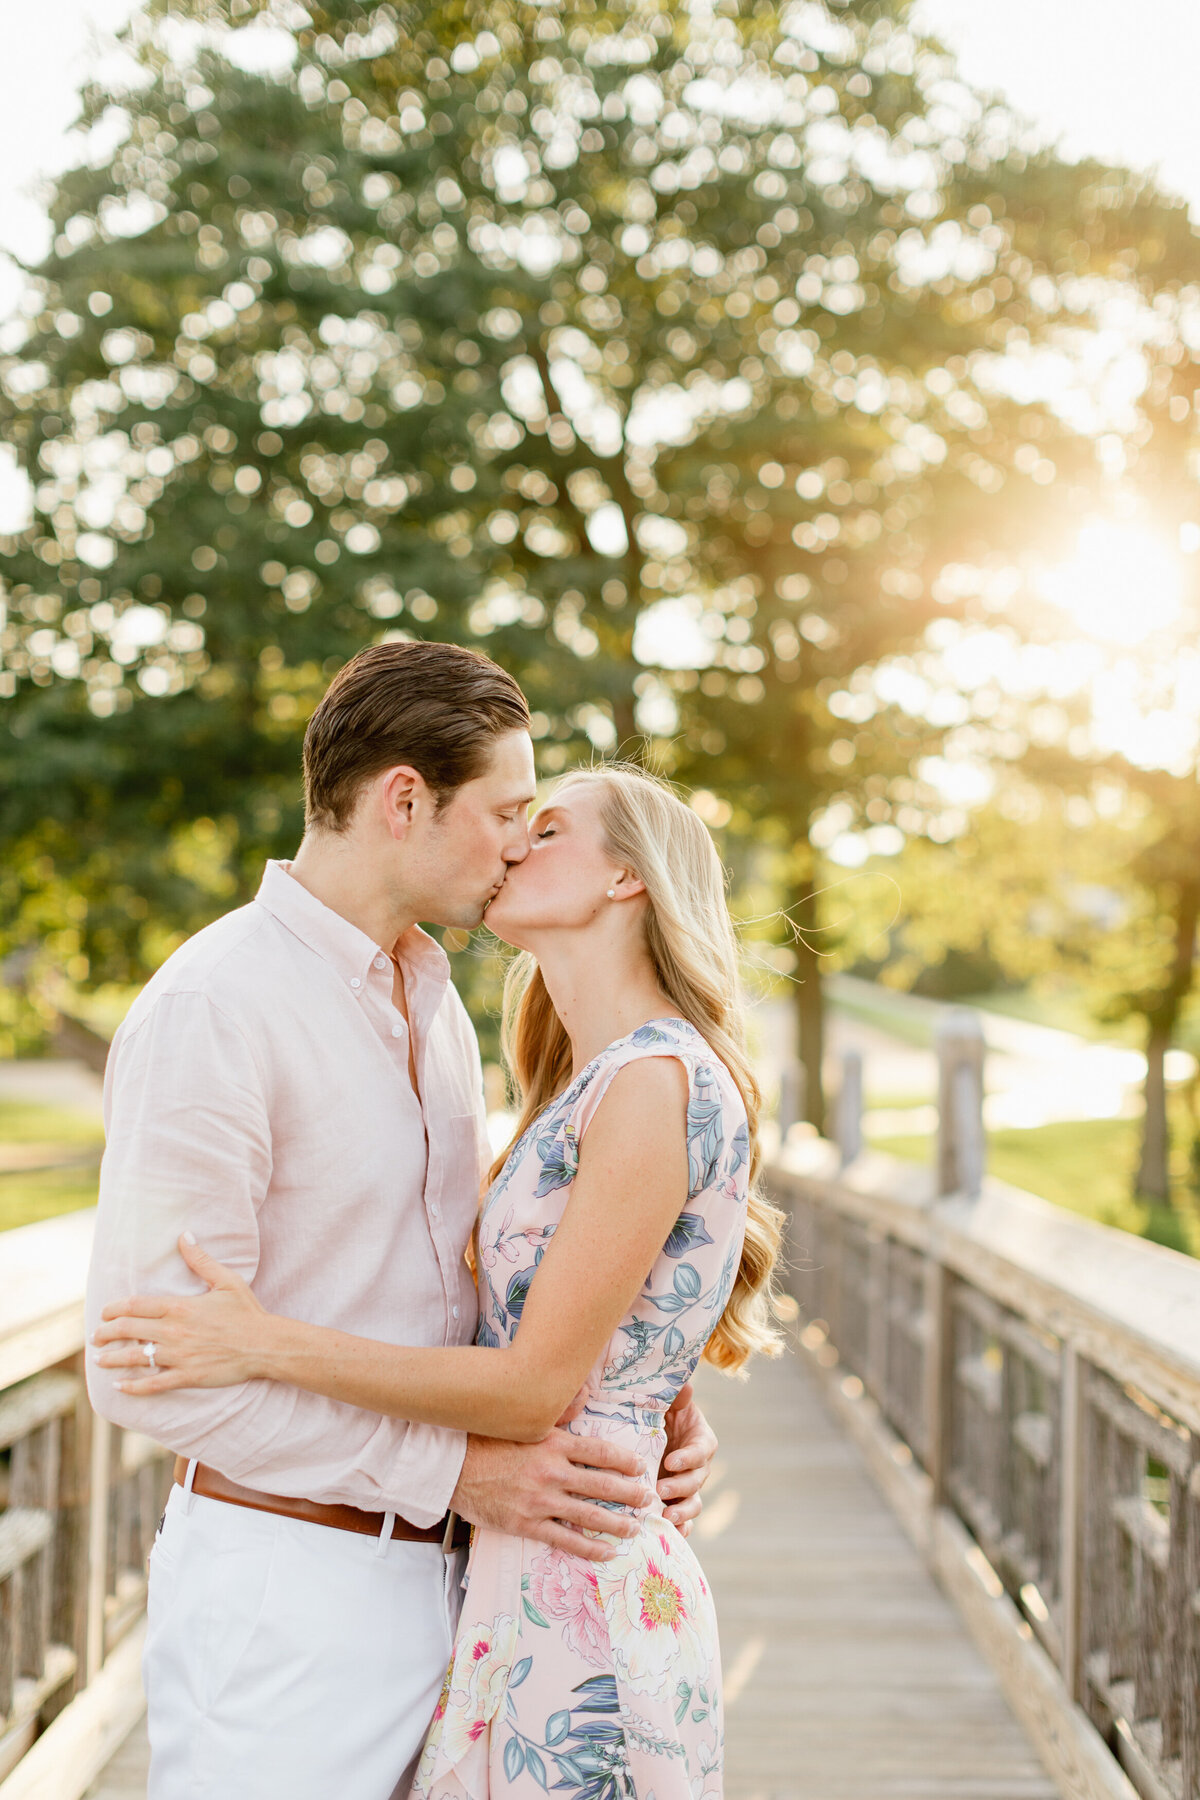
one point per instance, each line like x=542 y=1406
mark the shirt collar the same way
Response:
x=349 y=951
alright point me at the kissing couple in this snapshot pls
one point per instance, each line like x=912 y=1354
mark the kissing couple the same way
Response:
x=359 y=1339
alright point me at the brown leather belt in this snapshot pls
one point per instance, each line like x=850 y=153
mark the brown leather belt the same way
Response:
x=450 y=1531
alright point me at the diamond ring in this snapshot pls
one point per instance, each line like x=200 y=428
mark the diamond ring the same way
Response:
x=150 y=1351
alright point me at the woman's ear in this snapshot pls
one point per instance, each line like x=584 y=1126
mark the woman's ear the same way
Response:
x=626 y=885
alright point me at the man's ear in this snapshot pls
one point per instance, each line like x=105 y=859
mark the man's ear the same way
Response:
x=404 y=796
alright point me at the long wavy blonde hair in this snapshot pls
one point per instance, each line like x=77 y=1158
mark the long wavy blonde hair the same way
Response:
x=692 y=944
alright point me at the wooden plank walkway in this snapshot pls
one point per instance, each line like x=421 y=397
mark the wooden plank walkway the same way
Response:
x=848 y=1674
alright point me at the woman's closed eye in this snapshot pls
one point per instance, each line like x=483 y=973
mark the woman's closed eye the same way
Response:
x=548 y=832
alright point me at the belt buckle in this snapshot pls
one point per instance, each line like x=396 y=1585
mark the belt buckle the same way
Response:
x=448 y=1534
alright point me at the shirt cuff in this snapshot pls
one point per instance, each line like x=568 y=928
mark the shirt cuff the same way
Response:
x=426 y=1473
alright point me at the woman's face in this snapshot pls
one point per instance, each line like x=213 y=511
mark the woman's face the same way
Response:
x=563 y=883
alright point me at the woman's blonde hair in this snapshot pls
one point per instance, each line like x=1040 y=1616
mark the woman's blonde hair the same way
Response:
x=694 y=950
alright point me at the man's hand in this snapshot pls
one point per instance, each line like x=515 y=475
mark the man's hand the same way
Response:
x=548 y=1490
x=687 y=1465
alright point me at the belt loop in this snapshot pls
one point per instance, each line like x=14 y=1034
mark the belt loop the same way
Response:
x=189 y=1499
x=385 y=1536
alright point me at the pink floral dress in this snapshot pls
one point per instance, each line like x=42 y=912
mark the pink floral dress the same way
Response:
x=600 y=1681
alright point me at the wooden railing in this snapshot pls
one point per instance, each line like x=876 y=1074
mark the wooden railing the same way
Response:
x=1026 y=1385
x=80 y=1501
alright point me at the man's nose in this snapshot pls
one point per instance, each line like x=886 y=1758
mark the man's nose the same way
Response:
x=517 y=849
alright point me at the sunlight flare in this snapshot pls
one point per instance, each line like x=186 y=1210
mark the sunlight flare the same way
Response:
x=1123 y=584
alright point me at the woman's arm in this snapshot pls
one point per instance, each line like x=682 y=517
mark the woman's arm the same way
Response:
x=631 y=1186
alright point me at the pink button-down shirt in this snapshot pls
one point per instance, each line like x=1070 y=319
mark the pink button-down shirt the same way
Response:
x=258 y=1094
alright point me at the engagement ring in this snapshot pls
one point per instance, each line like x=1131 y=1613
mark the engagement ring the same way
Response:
x=150 y=1351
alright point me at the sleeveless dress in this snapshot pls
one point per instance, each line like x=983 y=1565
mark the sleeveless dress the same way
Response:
x=600 y=1681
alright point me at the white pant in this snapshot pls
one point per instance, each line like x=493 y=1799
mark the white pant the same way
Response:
x=288 y=1661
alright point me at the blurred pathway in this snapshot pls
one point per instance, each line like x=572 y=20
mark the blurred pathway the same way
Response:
x=1034 y=1074
x=47 y=1081
x=848 y=1675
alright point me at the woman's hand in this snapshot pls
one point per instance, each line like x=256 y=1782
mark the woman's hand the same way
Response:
x=204 y=1340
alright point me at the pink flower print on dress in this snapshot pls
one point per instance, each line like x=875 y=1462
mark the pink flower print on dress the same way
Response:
x=492 y=1247
x=564 y=1588
x=656 y=1623
x=478 y=1679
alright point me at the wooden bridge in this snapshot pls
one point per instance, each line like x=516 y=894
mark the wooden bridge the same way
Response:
x=955 y=1534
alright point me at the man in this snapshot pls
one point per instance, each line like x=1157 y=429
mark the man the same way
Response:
x=299 y=1086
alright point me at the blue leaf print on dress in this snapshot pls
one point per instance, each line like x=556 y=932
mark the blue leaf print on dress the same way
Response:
x=686 y=1281
x=686 y=1234
x=600 y=1695
x=559 y=1158
x=514 y=1758
x=705 y=1139
x=739 y=1149
x=518 y=1292
x=651 y=1034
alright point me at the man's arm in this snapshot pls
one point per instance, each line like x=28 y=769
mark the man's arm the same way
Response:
x=189 y=1147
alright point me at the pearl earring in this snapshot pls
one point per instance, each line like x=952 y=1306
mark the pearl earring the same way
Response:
x=612 y=893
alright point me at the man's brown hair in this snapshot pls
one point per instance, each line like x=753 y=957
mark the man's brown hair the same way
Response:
x=436 y=707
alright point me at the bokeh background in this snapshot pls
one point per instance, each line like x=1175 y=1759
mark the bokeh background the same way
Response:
x=799 y=398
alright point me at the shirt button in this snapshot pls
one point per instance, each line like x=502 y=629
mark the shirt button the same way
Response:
x=355 y=982
x=381 y=962
x=397 y=1031
x=455 y=1311
x=436 y=1210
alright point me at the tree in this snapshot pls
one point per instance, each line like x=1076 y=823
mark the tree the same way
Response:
x=505 y=323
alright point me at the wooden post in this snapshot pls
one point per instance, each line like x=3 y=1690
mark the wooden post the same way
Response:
x=791 y=1097
x=937 y=1375
x=1072 y=1402
x=850 y=1107
x=960 y=1139
x=875 y=1370
x=97 y=1544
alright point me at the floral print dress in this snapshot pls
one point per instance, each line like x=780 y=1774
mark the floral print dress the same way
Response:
x=600 y=1681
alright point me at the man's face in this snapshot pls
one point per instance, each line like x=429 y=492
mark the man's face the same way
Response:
x=478 y=835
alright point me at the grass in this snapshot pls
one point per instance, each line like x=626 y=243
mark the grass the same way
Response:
x=29 y=1195
x=1088 y=1167
x=24 y=1199
x=22 y=1122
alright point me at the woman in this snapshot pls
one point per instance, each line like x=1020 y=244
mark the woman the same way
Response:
x=636 y=1149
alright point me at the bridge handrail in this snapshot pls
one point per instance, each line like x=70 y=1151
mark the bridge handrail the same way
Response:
x=1027 y=1385
x=80 y=1502
x=1026 y=1382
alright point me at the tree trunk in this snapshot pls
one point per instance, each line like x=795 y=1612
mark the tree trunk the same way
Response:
x=1153 y=1178
x=810 y=1005
x=1154 y=1174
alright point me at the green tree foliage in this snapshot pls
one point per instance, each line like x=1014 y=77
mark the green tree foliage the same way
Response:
x=508 y=324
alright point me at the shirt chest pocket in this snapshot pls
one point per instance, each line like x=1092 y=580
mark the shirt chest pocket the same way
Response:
x=455 y=1167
